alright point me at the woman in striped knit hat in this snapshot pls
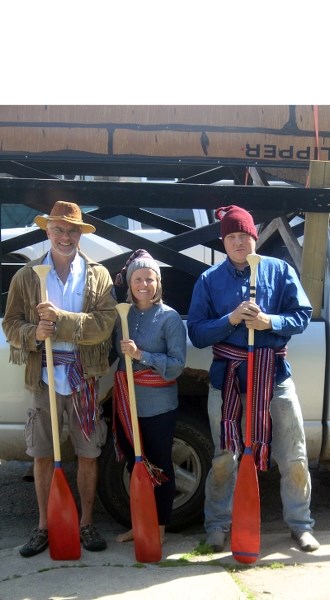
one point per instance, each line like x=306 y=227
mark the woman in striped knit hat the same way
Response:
x=157 y=346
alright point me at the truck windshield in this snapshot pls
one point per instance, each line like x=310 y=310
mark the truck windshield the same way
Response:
x=17 y=215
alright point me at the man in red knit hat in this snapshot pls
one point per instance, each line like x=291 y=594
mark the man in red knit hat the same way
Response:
x=220 y=316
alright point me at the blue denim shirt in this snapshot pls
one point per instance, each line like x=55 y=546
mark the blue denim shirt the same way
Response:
x=161 y=335
x=221 y=288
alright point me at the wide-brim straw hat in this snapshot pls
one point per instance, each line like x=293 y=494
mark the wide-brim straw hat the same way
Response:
x=65 y=211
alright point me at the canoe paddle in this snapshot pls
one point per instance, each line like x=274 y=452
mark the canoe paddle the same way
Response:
x=245 y=532
x=62 y=514
x=144 y=516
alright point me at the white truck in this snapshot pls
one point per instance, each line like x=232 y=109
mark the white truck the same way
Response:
x=192 y=449
x=185 y=243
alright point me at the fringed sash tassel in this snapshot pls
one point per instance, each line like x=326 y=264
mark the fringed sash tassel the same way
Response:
x=263 y=389
x=121 y=407
x=84 y=391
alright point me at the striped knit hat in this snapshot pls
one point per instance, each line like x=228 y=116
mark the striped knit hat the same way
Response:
x=140 y=259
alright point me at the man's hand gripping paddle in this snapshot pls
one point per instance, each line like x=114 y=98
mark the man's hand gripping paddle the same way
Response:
x=142 y=497
x=245 y=534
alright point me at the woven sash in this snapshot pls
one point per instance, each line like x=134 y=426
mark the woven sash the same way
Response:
x=263 y=390
x=84 y=391
x=121 y=407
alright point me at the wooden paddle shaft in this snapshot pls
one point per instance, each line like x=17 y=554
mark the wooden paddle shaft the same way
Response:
x=42 y=272
x=253 y=260
x=123 y=309
x=142 y=498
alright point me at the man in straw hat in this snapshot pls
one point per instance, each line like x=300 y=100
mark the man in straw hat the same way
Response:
x=220 y=316
x=78 y=317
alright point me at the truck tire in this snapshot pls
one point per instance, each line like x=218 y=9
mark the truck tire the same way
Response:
x=192 y=456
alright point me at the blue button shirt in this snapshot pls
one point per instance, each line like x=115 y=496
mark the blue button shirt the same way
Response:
x=221 y=288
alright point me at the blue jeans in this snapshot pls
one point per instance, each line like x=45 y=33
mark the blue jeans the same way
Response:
x=288 y=449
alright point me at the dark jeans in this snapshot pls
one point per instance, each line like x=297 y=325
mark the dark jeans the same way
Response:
x=157 y=439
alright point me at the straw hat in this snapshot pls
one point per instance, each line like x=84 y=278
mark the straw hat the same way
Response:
x=65 y=211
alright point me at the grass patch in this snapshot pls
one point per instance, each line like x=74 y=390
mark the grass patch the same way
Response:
x=249 y=595
x=175 y=562
x=202 y=549
x=236 y=569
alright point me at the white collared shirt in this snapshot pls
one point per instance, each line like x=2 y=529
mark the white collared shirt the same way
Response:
x=67 y=296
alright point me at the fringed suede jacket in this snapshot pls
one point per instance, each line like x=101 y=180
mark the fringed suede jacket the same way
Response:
x=90 y=330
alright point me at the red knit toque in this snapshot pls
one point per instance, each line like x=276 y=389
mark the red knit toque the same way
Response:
x=234 y=219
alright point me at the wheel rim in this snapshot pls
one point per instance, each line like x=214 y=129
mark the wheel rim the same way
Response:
x=188 y=472
x=187 y=469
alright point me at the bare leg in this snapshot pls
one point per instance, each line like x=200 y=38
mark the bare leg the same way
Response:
x=128 y=536
x=86 y=482
x=43 y=472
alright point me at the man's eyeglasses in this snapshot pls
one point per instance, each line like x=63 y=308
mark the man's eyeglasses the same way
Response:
x=59 y=231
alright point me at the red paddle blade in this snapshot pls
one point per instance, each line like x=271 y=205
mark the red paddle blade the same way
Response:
x=144 y=516
x=245 y=534
x=63 y=522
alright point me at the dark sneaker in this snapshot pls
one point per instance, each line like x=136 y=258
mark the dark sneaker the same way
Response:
x=92 y=539
x=38 y=543
x=217 y=540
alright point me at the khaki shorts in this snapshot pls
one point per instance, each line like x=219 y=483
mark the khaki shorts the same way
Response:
x=38 y=428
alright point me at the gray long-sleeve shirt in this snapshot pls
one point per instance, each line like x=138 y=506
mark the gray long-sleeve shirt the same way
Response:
x=161 y=335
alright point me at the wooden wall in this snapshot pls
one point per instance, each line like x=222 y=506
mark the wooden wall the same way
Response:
x=272 y=134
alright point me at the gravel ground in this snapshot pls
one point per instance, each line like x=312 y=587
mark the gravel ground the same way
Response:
x=18 y=505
